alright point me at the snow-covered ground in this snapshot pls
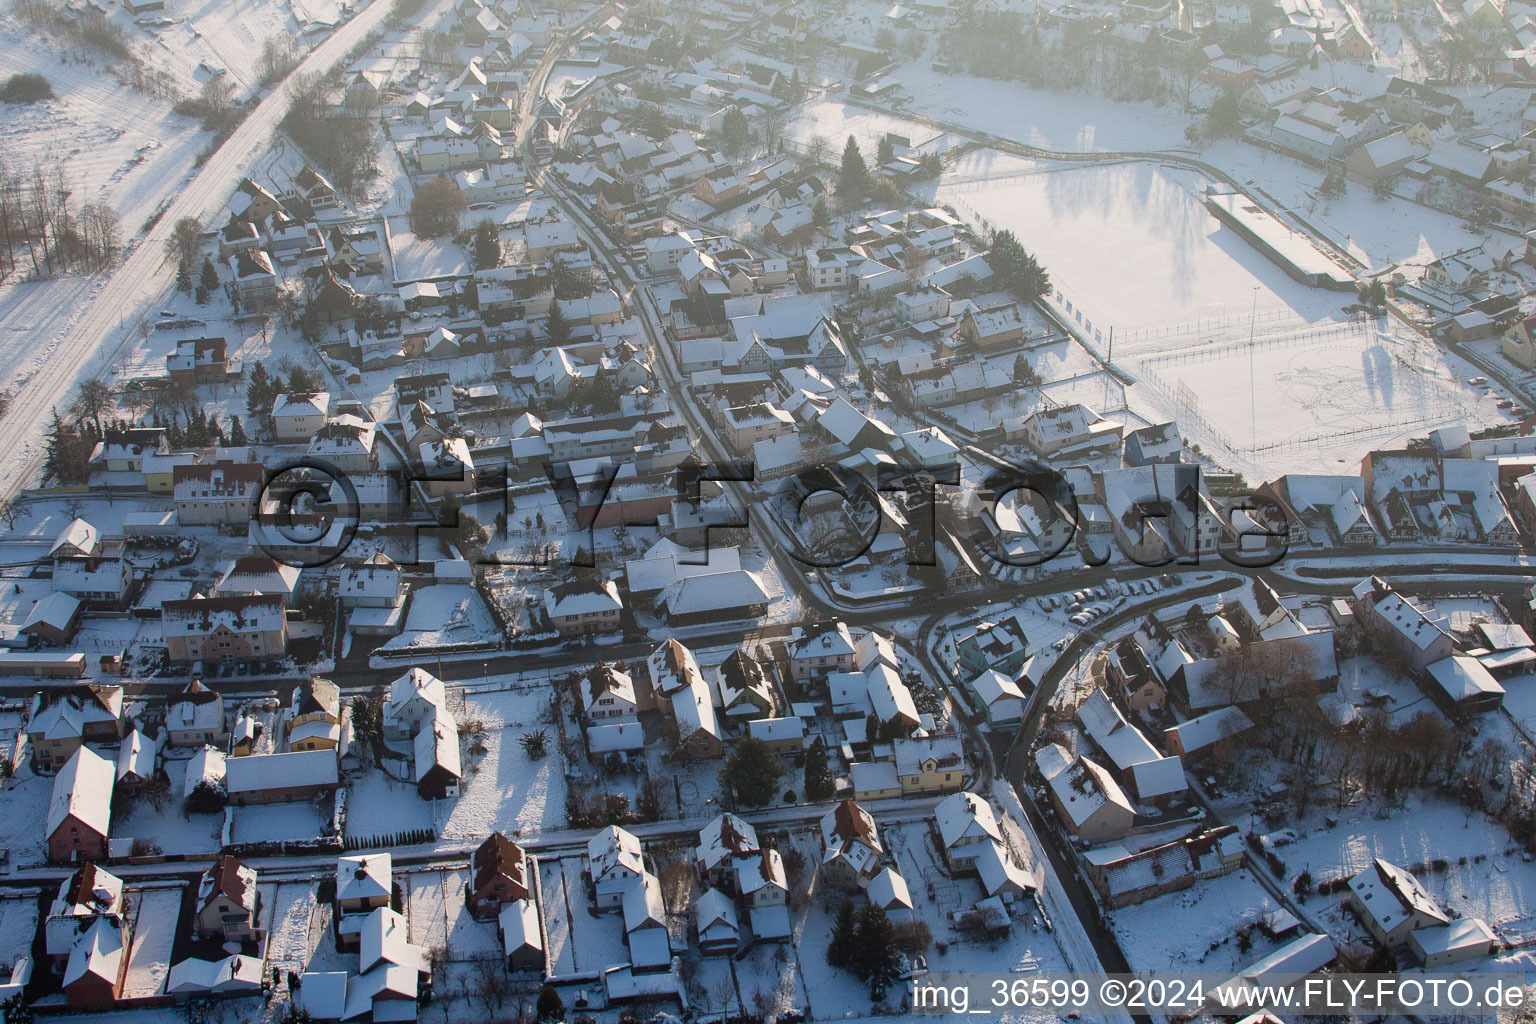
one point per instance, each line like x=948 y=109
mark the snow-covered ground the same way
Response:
x=1196 y=929
x=154 y=930
x=438 y=915
x=503 y=790
x=443 y=615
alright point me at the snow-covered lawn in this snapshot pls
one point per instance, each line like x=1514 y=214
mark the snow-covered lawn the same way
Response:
x=833 y=120
x=580 y=939
x=502 y=789
x=378 y=805
x=154 y=930
x=1064 y=122
x=18 y=926
x=274 y=822
x=170 y=828
x=447 y=613
x=1495 y=883
x=438 y=915
x=26 y=808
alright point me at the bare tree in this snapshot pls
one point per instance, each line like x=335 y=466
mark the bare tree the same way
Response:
x=93 y=402
x=490 y=983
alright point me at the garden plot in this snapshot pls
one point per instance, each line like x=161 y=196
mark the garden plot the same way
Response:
x=1365 y=682
x=290 y=910
x=1495 y=883
x=378 y=805
x=18 y=926
x=1197 y=929
x=154 y=931
x=278 y=822
x=443 y=615
x=26 y=806
x=438 y=916
x=503 y=791
x=167 y=827
x=580 y=940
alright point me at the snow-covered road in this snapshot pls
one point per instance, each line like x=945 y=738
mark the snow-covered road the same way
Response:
x=102 y=328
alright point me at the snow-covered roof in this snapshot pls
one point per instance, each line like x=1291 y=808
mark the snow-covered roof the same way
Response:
x=1162 y=777
x=519 y=924
x=234 y=973
x=437 y=746
x=278 y=771
x=83 y=790
x=726 y=835
x=1464 y=678
x=612 y=849
x=963 y=816
x=364 y=876
x=1121 y=741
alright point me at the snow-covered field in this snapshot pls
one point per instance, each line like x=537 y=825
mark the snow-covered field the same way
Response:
x=1131 y=245
x=1311 y=400
x=1063 y=122
x=833 y=121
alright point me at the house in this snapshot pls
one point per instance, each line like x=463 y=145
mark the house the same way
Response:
x=438 y=767
x=1158 y=443
x=1091 y=805
x=364 y=883
x=614 y=863
x=414 y=698
x=645 y=925
x=92 y=712
x=1064 y=430
x=80 y=810
x=998 y=697
x=850 y=845
x=90 y=892
x=1467 y=938
x=1000 y=646
x=723 y=839
x=717 y=924
x=391 y=967
x=1464 y=684
x=228 y=904
x=583 y=606
x=608 y=695
x=98 y=964
x=759 y=878
x=499 y=876
x=1414 y=633
x=713 y=597
x=672 y=667
x=522 y=936
x=992 y=329
x=929 y=764
x=280 y=778
x=966 y=824
x=259 y=574
x=820 y=648
x=195 y=717
x=1392 y=903
x=137 y=762
x=299 y=416
x=220 y=493
x=375 y=583
x=254 y=279
x=889 y=891
x=197 y=361
x=314 y=715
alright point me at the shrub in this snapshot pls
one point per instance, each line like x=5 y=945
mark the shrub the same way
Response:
x=25 y=89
